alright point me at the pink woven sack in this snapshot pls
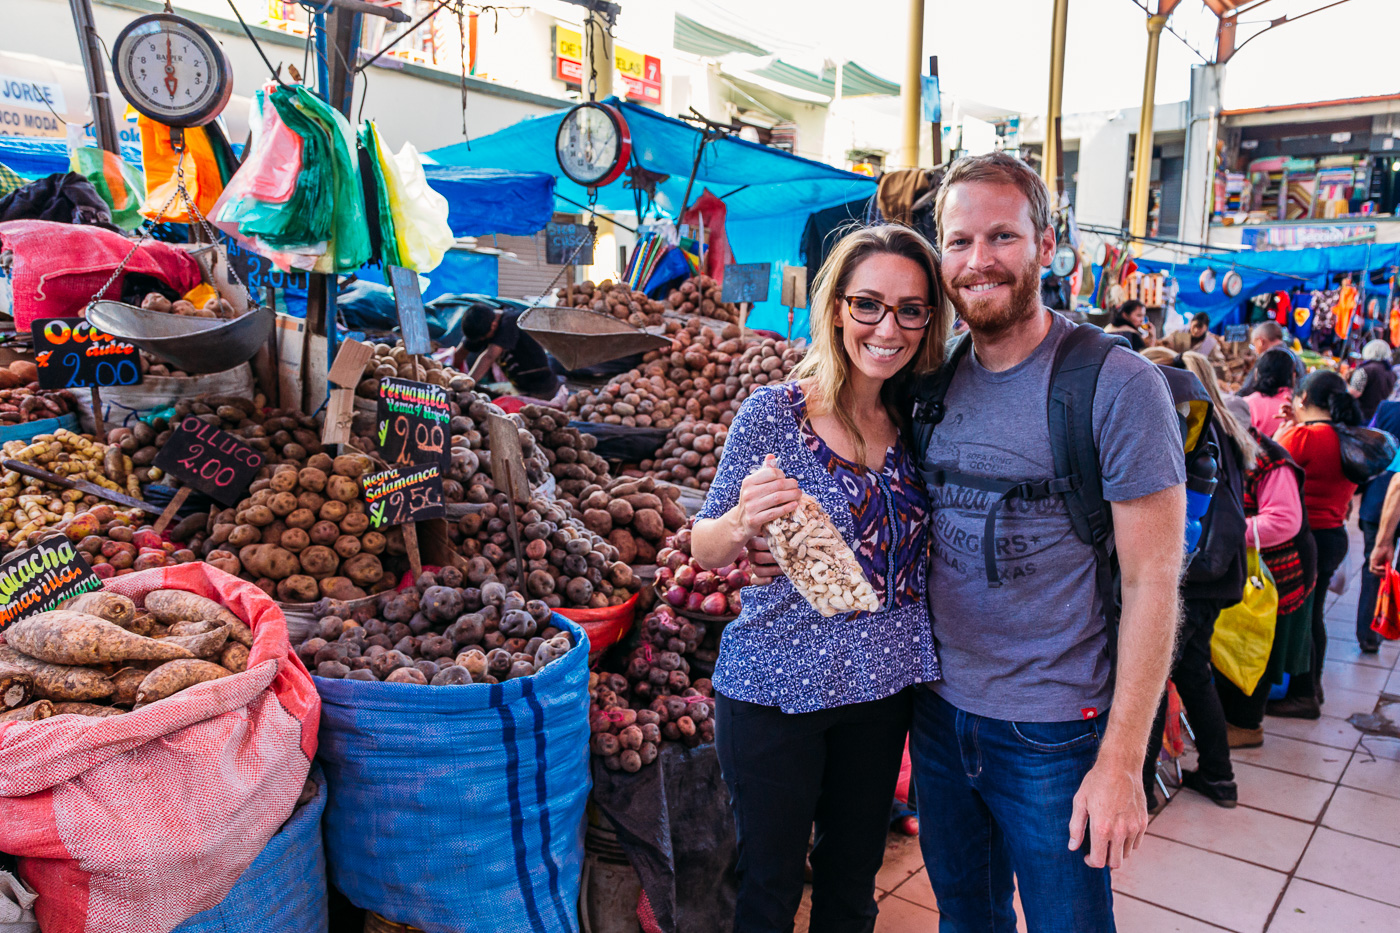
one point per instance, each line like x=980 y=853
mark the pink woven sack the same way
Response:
x=134 y=823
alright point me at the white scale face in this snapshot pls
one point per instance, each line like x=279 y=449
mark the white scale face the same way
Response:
x=588 y=145
x=171 y=72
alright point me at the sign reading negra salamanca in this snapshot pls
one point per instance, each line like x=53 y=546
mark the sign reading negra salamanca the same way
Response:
x=41 y=577
x=212 y=461
x=414 y=422
x=404 y=494
x=70 y=353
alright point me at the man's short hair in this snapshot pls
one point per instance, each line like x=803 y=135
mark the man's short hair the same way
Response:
x=477 y=321
x=1269 y=330
x=997 y=168
x=1200 y=317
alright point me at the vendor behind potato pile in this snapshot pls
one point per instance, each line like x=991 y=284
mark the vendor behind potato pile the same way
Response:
x=495 y=337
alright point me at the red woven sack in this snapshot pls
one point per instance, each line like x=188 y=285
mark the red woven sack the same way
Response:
x=135 y=823
x=58 y=268
x=1386 y=621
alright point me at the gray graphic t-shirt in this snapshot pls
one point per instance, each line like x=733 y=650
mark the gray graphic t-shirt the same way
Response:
x=1035 y=649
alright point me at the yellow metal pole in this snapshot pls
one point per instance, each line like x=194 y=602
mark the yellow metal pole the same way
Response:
x=911 y=96
x=1142 y=162
x=1049 y=163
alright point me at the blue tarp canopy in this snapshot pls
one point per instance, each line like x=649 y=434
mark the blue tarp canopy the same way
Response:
x=1268 y=271
x=769 y=193
x=480 y=201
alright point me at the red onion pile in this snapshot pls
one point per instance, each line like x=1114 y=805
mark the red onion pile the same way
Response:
x=685 y=585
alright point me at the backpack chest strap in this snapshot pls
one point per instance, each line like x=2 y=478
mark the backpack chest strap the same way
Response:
x=1029 y=490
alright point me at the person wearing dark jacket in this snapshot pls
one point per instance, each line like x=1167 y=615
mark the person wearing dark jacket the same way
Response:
x=1266 y=336
x=1372 y=381
x=1386 y=418
x=1214 y=581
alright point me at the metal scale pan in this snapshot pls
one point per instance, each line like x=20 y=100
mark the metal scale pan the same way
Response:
x=579 y=338
x=194 y=344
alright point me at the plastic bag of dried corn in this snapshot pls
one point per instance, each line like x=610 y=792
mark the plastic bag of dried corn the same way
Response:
x=816 y=559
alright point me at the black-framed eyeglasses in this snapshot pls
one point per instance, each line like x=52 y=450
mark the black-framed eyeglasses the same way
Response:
x=872 y=311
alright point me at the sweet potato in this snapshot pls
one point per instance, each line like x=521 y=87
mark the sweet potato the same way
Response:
x=127 y=681
x=86 y=709
x=173 y=676
x=110 y=606
x=62 y=636
x=59 y=681
x=16 y=686
x=196 y=627
x=170 y=606
x=234 y=657
x=205 y=645
x=39 y=709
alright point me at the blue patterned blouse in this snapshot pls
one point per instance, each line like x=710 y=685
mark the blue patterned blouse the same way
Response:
x=782 y=652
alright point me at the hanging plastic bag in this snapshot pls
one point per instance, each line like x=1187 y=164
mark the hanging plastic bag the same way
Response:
x=1340 y=579
x=380 y=213
x=121 y=185
x=1386 y=621
x=349 y=242
x=163 y=167
x=1244 y=633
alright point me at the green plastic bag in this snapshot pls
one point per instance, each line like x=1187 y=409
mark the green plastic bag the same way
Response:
x=121 y=185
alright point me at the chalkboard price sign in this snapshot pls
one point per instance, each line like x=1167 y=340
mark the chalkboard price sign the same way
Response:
x=568 y=245
x=41 y=577
x=413 y=317
x=212 y=461
x=414 y=423
x=70 y=352
x=1236 y=333
x=403 y=495
x=258 y=272
x=746 y=282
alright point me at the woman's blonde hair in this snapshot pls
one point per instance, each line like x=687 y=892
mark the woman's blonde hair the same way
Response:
x=1227 y=422
x=826 y=367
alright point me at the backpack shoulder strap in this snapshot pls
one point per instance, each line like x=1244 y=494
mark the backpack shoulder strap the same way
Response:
x=1074 y=379
x=931 y=390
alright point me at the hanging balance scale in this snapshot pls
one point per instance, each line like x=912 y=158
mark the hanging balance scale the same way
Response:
x=171 y=70
x=593 y=144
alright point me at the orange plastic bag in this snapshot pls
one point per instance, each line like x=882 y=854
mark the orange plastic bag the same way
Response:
x=1386 y=621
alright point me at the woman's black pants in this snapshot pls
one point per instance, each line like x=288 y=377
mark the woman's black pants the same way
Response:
x=1331 y=551
x=836 y=768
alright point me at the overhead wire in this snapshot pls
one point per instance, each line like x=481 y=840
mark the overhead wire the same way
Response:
x=276 y=73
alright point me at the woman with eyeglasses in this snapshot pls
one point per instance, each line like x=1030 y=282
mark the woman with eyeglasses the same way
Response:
x=812 y=712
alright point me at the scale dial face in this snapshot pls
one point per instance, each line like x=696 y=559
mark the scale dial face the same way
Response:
x=171 y=70
x=593 y=144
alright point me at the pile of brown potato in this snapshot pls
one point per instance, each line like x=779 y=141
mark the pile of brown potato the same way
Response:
x=567 y=451
x=303 y=534
x=690 y=455
x=566 y=565
x=215 y=307
x=701 y=295
x=100 y=655
x=613 y=298
x=443 y=632
x=634 y=514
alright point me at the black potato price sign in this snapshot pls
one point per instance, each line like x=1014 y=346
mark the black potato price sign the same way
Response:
x=70 y=353
x=212 y=461
x=403 y=495
x=414 y=418
x=41 y=577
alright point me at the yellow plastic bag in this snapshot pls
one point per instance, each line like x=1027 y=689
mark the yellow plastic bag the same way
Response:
x=1244 y=633
x=419 y=212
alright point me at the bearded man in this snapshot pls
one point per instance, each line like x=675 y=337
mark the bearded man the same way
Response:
x=1028 y=755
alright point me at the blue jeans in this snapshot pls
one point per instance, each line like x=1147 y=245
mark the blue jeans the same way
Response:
x=995 y=799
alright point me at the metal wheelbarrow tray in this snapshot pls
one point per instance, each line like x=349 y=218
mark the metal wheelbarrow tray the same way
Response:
x=194 y=344
x=579 y=338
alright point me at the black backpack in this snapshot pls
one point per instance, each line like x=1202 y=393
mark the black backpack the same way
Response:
x=1217 y=568
x=1074 y=378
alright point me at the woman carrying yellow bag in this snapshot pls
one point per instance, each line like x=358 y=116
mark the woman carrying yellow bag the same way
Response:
x=1244 y=633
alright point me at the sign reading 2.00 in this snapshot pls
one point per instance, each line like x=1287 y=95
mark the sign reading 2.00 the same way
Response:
x=212 y=461
x=70 y=352
x=414 y=423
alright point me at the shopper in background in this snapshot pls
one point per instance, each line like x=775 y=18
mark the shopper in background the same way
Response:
x=1322 y=401
x=1387 y=418
x=1196 y=336
x=1214 y=581
x=1372 y=381
x=1266 y=336
x=1130 y=321
x=1274 y=380
x=811 y=712
x=491 y=336
x=1273 y=503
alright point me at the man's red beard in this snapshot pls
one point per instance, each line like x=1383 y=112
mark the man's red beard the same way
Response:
x=993 y=316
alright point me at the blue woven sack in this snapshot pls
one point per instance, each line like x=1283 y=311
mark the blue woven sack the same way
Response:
x=460 y=809
x=284 y=890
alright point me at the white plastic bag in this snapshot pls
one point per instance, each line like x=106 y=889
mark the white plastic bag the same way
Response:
x=1342 y=577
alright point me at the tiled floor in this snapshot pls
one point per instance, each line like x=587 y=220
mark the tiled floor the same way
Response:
x=1314 y=846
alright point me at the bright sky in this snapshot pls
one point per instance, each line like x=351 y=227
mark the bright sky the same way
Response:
x=998 y=51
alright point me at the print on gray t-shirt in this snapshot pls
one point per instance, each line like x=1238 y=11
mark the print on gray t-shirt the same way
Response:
x=1035 y=648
